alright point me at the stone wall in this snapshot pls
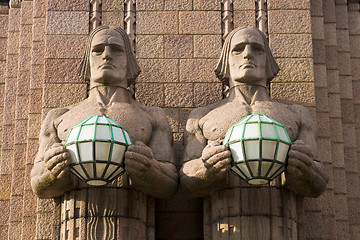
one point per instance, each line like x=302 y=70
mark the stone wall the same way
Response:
x=177 y=43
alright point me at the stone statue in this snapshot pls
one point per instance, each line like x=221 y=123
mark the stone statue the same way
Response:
x=234 y=209
x=121 y=210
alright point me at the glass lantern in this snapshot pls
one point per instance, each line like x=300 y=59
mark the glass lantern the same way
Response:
x=259 y=146
x=97 y=146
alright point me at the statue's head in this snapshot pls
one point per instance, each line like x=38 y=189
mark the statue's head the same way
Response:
x=108 y=58
x=246 y=58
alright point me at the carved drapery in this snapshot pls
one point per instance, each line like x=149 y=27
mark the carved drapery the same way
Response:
x=95 y=13
x=130 y=21
x=227 y=21
x=261 y=15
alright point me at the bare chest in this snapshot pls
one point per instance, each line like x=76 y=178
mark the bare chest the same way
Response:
x=135 y=120
x=216 y=123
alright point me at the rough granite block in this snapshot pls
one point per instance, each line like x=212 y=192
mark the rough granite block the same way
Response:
x=295 y=70
x=37 y=76
x=244 y=5
x=13 y=44
x=198 y=70
x=244 y=19
x=284 y=4
x=39 y=9
x=178 y=46
x=354 y=46
x=319 y=51
x=115 y=18
x=158 y=70
x=34 y=131
x=38 y=29
x=157 y=22
x=112 y=5
x=301 y=93
x=149 y=46
x=68 y=5
x=199 y=22
x=37 y=52
x=149 y=5
x=291 y=45
x=67 y=23
x=62 y=71
x=3 y=49
x=26 y=12
x=61 y=95
x=4 y=19
x=207 y=93
x=172 y=115
x=317 y=28
x=14 y=19
x=179 y=95
x=289 y=21
x=207 y=46
x=178 y=5
x=322 y=105
x=65 y=46
x=150 y=94
x=207 y=5
x=342 y=21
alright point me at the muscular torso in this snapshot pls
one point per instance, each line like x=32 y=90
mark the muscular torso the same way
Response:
x=132 y=117
x=217 y=121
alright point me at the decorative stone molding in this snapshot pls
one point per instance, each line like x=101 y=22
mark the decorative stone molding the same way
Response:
x=261 y=15
x=15 y=3
x=95 y=13
x=227 y=17
x=129 y=21
x=353 y=6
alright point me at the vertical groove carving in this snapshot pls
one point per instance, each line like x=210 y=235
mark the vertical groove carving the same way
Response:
x=261 y=15
x=95 y=13
x=130 y=21
x=227 y=21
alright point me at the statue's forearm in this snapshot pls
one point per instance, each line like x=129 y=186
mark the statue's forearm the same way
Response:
x=159 y=181
x=194 y=181
x=312 y=184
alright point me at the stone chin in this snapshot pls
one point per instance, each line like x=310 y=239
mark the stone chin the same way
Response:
x=108 y=77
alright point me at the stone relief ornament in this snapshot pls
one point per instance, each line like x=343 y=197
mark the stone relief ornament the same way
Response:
x=130 y=21
x=261 y=15
x=227 y=17
x=95 y=13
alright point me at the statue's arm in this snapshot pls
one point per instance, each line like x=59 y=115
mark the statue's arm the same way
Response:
x=205 y=163
x=305 y=174
x=50 y=176
x=152 y=168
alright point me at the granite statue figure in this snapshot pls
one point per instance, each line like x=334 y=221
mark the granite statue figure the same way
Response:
x=247 y=66
x=118 y=210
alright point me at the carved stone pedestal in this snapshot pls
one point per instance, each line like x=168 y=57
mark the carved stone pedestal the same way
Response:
x=106 y=213
x=244 y=212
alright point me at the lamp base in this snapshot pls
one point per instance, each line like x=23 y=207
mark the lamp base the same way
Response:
x=96 y=182
x=258 y=181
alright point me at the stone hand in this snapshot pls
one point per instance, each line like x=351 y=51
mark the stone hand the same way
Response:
x=147 y=174
x=57 y=161
x=139 y=159
x=300 y=160
x=216 y=159
x=303 y=174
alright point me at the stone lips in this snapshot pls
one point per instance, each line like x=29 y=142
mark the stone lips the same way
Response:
x=97 y=146
x=269 y=143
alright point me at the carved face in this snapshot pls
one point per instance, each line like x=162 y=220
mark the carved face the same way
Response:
x=247 y=58
x=108 y=61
